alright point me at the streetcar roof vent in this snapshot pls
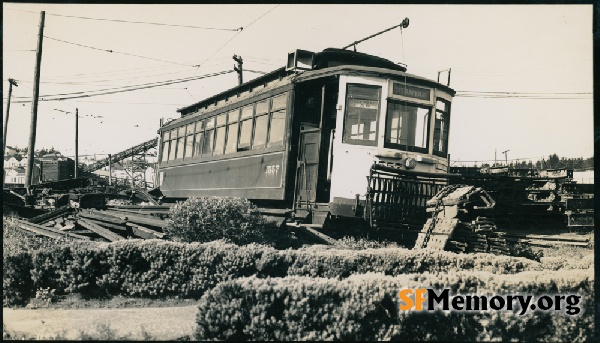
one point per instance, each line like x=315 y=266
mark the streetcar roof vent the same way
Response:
x=300 y=60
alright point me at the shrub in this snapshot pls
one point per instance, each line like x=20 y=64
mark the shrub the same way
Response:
x=160 y=269
x=17 y=285
x=16 y=240
x=361 y=243
x=364 y=307
x=18 y=248
x=212 y=218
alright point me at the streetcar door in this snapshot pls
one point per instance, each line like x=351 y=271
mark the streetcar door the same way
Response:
x=307 y=167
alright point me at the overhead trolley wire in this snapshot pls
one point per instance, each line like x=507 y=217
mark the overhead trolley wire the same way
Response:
x=149 y=23
x=219 y=49
x=124 y=89
x=131 y=21
x=525 y=95
x=116 y=52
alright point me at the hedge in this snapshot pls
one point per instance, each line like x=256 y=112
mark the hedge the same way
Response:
x=159 y=269
x=365 y=308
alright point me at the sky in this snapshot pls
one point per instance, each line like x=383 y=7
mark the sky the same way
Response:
x=523 y=73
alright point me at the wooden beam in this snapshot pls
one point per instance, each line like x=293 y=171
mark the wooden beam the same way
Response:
x=311 y=234
x=139 y=219
x=100 y=216
x=47 y=231
x=50 y=215
x=144 y=232
x=105 y=233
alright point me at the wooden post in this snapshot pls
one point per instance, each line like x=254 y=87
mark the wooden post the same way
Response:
x=34 y=105
x=76 y=141
x=12 y=83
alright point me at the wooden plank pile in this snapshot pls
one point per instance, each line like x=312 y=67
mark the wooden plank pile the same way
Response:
x=112 y=224
x=479 y=236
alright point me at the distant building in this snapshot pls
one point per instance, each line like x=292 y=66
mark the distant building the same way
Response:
x=56 y=170
x=11 y=162
x=56 y=167
x=9 y=151
x=23 y=162
x=15 y=176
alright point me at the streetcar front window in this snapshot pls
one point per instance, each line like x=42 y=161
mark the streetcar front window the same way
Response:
x=362 y=107
x=440 y=133
x=407 y=127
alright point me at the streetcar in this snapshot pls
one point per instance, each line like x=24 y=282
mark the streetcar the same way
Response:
x=336 y=133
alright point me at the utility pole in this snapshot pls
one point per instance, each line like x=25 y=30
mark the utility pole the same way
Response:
x=109 y=169
x=495 y=156
x=506 y=156
x=34 y=106
x=238 y=68
x=76 y=140
x=12 y=83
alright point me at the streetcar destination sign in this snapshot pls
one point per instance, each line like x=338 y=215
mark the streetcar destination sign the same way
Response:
x=411 y=91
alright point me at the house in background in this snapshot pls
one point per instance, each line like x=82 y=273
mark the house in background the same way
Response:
x=15 y=176
x=9 y=151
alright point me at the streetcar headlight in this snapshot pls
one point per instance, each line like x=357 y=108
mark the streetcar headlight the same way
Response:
x=410 y=163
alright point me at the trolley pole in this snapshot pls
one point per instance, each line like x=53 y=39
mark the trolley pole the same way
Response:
x=76 y=141
x=403 y=24
x=238 y=68
x=34 y=106
x=12 y=83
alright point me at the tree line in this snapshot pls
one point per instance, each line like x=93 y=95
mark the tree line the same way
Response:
x=552 y=162
x=38 y=152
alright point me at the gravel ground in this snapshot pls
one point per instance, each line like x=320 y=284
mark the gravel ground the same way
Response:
x=159 y=323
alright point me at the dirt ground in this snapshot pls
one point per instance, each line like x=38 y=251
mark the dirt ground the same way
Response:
x=164 y=323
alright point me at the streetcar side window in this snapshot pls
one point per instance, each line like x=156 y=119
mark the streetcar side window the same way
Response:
x=232 y=131
x=261 y=124
x=245 y=128
x=362 y=107
x=277 y=120
x=172 y=145
x=220 y=134
x=180 y=143
x=165 y=147
x=442 y=123
x=207 y=144
x=189 y=140
x=199 y=138
x=407 y=127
